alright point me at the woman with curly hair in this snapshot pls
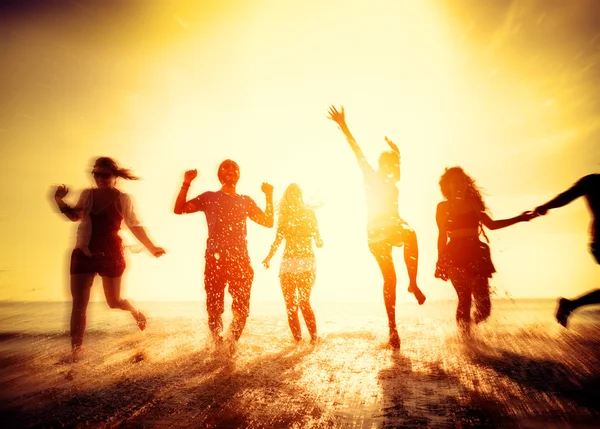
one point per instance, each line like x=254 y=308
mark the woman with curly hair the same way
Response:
x=99 y=248
x=462 y=256
x=297 y=225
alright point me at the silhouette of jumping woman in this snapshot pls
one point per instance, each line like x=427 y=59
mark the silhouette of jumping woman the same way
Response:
x=588 y=187
x=297 y=225
x=227 y=262
x=99 y=248
x=385 y=227
x=462 y=257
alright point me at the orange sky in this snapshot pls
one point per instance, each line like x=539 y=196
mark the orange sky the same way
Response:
x=506 y=90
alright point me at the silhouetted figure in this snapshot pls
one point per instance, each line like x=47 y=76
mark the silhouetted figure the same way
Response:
x=462 y=257
x=297 y=225
x=226 y=256
x=99 y=248
x=588 y=187
x=386 y=228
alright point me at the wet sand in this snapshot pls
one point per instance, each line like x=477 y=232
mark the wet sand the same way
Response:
x=534 y=375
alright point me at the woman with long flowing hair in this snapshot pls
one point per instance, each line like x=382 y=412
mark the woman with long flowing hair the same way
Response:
x=297 y=225
x=99 y=248
x=462 y=257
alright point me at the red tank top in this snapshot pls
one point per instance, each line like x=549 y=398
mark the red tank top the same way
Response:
x=107 y=221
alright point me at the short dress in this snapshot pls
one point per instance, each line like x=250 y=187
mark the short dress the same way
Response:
x=467 y=254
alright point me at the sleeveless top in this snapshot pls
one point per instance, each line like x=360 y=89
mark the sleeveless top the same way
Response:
x=465 y=220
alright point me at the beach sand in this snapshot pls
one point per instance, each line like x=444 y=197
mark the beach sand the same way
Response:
x=520 y=369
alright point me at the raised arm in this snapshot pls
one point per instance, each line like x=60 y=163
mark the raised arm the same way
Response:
x=503 y=223
x=72 y=213
x=265 y=218
x=571 y=194
x=182 y=206
x=340 y=119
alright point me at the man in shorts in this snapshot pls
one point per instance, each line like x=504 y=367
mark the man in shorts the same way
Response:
x=227 y=259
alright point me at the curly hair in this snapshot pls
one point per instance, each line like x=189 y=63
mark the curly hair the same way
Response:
x=111 y=164
x=472 y=192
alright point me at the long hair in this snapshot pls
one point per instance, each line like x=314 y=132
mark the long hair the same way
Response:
x=472 y=191
x=111 y=164
x=292 y=209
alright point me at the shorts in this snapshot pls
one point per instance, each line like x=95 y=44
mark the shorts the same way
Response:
x=382 y=239
x=235 y=272
x=107 y=259
x=297 y=265
x=468 y=255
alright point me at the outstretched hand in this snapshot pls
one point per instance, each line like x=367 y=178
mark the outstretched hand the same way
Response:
x=190 y=175
x=527 y=216
x=61 y=191
x=267 y=262
x=392 y=145
x=267 y=188
x=157 y=252
x=337 y=116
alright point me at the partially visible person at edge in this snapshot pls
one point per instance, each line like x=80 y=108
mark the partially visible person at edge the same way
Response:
x=462 y=256
x=99 y=248
x=227 y=262
x=385 y=227
x=588 y=187
x=297 y=225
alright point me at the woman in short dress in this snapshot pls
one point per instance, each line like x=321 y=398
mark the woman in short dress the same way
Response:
x=297 y=225
x=99 y=248
x=462 y=256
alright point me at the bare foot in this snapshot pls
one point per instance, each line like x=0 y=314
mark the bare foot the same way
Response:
x=563 y=311
x=140 y=319
x=394 y=338
x=414 y=289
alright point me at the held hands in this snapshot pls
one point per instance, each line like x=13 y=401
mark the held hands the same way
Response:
x=61 y=192
x=190 y=175
x=267 y=188
x=527 y=216
x=337 y=116
x=540 y=211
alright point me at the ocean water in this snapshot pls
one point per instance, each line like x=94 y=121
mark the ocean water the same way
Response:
x=519 y=369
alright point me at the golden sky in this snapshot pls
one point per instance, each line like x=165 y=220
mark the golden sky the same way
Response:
x=508 y=90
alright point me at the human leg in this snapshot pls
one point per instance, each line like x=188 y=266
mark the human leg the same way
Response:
x=481 y=295
x=383 y=256
x=215 y=281
x=567 y=306
x=81 y=285
x=240 y=285
x=411 y=259
x=463 y=288
x=306 y=282
x=112 y=292
x=289 y=287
